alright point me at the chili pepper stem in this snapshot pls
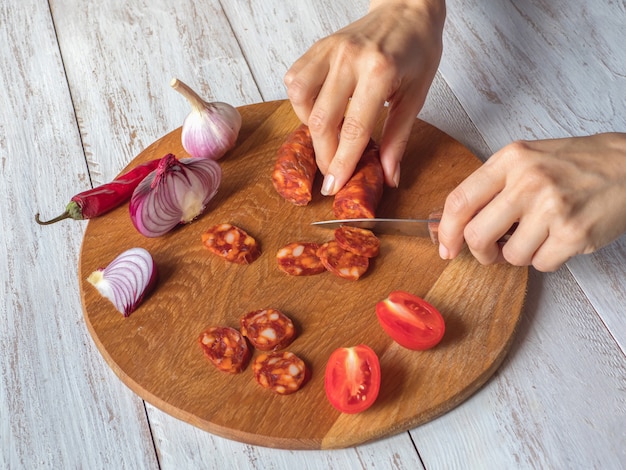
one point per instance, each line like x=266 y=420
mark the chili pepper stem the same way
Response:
x=65 y=215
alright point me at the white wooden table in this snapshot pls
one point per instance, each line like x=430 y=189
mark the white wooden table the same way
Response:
x=85 y=87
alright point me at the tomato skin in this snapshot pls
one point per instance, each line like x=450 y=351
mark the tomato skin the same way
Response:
x=411 y=321
x=352 y=378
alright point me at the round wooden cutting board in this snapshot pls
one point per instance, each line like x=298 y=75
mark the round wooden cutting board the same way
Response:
x=155 y=350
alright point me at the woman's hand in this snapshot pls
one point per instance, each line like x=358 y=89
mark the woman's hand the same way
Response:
x=568 y=197
x=340 y=85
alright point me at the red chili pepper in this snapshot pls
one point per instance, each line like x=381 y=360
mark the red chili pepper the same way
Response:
x=97 y=201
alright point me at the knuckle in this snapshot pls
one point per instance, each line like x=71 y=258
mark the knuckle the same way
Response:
x=318 y=122
x=457 y=201
x=298 y=91
x=353 y=130
x=546 y=265
x=514 y=256
x=474 y=239
x=342 y=164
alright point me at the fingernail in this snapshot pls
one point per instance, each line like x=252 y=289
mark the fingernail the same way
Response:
x=328 y=185
x=396 y=176
x=443 y=252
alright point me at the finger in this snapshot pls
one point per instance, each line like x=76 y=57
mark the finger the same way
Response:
x=304 y=81
x=356 y=130
x=326 y=117
x=484 y=232
x=396 y=132
x=463 y=203
x=551 y=255
x=523 y=243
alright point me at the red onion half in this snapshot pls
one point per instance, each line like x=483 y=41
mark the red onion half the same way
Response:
x=176 y=192
x=126 y=280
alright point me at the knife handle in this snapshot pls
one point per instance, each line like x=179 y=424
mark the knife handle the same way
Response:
x=433 y=229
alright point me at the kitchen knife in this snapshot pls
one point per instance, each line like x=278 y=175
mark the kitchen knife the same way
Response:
x=426 y=228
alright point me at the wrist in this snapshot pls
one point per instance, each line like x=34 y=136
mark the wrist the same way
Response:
x=435 y=10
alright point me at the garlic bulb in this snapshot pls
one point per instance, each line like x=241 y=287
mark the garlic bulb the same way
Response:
x=210 y=129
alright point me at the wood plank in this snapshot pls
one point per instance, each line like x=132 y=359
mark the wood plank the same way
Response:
x=59 y=404
x=90 y=54
x=122 y=95
x=183 y=446
x=536 y=70
x=557 y=401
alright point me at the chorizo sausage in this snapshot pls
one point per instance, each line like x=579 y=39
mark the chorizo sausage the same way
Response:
x=282 y=372
x=357 y=240
x=295 y=167
x=268 y=329
x=360 y=196
x=225 y=348
x=300 y=259
x=342 y=262
x=231 y=243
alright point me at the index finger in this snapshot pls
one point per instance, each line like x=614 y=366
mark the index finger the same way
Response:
x=464 y=202
x=304 y=81
x=355 y=133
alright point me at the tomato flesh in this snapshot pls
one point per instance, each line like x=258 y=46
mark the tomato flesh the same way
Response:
x=352 y=378
x=411 y=321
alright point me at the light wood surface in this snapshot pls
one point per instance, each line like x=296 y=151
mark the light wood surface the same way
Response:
x=85 y=88
x=155 y=350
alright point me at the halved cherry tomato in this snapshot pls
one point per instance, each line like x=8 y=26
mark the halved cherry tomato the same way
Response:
x=352 y=378
x=410 y=321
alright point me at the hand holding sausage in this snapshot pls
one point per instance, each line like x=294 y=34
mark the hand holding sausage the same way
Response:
x=390 y=55
x=567 y=195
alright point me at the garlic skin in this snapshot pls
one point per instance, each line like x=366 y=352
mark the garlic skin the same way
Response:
x=210 y=129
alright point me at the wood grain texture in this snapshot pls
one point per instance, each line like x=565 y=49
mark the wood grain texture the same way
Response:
x=553 y=420
x=92 y=78
x=536 y=70
x=154 y=351
x=59 y=406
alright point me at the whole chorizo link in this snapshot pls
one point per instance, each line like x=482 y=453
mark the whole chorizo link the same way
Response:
x=295 y=167
x=360 y=196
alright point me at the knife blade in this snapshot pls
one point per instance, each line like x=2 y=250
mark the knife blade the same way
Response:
x=425 y=228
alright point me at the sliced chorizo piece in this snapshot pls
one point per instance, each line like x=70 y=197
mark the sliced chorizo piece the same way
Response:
x=360 y=241
x=295 y=167
x=360 y=196
x=231 y=243
x=282 y=371
x=341 y=262
x=300 y=259
x=268 y=329
x=225 y=348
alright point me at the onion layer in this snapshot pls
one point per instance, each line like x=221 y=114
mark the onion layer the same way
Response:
x=176 y=192
x=126 y=280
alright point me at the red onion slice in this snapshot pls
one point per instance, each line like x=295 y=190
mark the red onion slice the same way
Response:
x=126 y=280
x=176 y=192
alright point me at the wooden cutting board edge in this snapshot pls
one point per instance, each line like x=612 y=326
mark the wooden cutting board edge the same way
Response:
x=288 y=443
